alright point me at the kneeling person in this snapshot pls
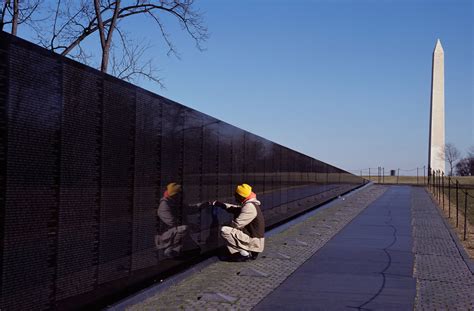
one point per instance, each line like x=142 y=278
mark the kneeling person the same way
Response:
x=245 y=236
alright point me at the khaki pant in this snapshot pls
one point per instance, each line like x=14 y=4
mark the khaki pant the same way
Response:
x=238 y=240
x=172 y=240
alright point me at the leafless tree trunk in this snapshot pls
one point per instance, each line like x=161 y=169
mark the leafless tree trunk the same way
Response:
x=15 y=17
x=2 y=15
x=14 y=13
x=106 y=34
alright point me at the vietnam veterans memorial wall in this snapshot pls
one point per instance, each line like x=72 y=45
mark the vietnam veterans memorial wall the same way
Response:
x=85 y=159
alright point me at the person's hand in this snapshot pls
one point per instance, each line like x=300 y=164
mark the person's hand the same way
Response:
x=218 y=204
x=204 y=204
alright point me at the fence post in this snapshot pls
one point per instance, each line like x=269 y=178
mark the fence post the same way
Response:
x=457 y=213
x=457 y=195
x=383 y=175
x=429 y=177
x=398 y=175
x=442 y=189
x=431 y=181
x=465 y=215
x=424 y=178
x=369 y=173
x=417 y=175
x=439 y=186
x=449 y=197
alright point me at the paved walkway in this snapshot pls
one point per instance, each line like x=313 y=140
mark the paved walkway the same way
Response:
x=444 y=274
x=367 y=266
x=381 y=248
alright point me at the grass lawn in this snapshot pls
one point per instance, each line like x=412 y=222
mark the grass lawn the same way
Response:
x=450 y=195
x=420 y=180
x=455 y=214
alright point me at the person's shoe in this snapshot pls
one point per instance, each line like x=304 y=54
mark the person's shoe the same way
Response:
x=253 y=255
x=170 y=253
x=242 y=258
x=235 y=258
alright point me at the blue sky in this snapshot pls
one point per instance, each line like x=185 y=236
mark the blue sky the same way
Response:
x=346 y=82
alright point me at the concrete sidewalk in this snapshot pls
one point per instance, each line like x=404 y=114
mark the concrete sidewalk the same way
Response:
x=380 y=248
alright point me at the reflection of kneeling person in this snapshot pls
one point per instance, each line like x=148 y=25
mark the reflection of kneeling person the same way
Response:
x=245 y=237
x=174 y=235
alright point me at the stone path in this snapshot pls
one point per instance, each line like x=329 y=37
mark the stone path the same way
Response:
x=444 y=280
x=368 y=265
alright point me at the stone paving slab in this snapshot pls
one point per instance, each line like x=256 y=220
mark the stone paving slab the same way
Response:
x=444 y=280
x=226 y=278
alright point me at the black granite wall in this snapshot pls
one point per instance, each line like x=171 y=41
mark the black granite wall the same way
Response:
x=84 y=161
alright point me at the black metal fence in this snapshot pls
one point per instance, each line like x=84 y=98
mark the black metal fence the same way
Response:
x=456 y=199
x=382 y=175
x=85 y=160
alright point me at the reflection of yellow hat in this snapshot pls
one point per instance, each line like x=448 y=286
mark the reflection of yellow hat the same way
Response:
x=173 y=188
x=243 y=190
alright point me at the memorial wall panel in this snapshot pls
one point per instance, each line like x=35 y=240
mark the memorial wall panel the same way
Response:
x=239 y=167
x=192 y=179
x=276 y=175
x=147 y=187
x=250 y=165
x=4 y=87
x=224 y=179
x=267 y=157
x=30 y=230
x=291 y=183
x=283 y=207
x=117 y=178
x=209 y=184
x=79 y=207
x=225 y=173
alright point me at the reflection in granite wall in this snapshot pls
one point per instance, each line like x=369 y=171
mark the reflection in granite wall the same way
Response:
x=105 y=185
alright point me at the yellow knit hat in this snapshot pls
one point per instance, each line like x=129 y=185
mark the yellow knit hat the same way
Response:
x=173 y=188
x=243 y=190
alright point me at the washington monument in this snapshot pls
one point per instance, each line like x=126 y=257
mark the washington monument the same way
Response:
x=436 y=144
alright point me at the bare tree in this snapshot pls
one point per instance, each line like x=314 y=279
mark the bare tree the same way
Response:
x=465 y=167
x=15 y=13
x=75 y=21
x=470 y=158
x=470 y=152
x=450 y=154
x=130 y=63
